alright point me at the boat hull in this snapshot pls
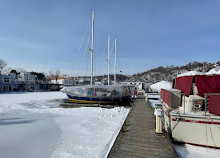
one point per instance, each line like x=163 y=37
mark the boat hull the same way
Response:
x=99 y=94
x=94 y=100
x=196 y=130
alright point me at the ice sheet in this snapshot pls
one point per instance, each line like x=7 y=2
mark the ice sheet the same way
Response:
x=32 y=125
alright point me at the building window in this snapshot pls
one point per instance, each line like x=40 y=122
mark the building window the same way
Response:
x=6 y=79
x=7 y=88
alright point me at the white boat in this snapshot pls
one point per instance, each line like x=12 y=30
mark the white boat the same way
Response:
x=100 y=94
x=191 y=110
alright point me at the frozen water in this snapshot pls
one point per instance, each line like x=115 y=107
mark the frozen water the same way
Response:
x=32 y=125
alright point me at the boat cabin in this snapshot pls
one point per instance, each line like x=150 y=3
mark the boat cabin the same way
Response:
x=194 y=94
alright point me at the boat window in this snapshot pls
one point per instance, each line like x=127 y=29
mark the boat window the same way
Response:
x=90 y=92
x=79 y=90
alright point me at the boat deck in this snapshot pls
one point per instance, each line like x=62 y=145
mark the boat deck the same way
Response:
x=137 y=139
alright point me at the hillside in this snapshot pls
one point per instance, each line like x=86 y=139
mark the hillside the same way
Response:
x=161 y=73
x=170 y=72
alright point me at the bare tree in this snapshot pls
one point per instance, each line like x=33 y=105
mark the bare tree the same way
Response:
x=19 y=69
x=2 y=64
x=6 y=70
x=54 y=74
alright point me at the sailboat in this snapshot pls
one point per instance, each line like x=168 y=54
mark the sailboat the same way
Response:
x=99 y=94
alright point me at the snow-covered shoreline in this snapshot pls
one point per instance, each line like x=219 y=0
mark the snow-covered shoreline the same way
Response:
x=45 y=130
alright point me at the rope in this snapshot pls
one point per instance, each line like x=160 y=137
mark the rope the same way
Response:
x=101 y=61
x=111 y=51
x=76 y=56
x=87 y=64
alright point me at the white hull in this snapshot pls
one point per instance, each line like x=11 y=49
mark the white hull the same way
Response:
x=196 y=129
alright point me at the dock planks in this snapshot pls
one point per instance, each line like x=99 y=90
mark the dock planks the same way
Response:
x=138 y=139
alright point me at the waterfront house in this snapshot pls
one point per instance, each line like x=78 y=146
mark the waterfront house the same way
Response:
x=8 y=83
x=27 y=81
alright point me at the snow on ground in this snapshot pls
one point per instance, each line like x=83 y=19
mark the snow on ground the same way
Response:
x=32 y=125
x=192 y=151
x=214 y=71
x=191 y=73
x=162 y=84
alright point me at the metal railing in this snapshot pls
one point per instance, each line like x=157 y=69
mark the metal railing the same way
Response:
x=183 y=101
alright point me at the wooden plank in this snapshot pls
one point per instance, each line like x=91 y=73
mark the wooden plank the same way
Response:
x=140 y=140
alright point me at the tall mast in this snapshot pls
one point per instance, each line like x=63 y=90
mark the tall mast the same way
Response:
x=115 y=65
x=108 y=58
x=91 y=81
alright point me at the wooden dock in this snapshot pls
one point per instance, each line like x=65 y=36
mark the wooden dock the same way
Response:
x=138 y=138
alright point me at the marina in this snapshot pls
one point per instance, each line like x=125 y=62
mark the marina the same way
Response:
x=109 y=79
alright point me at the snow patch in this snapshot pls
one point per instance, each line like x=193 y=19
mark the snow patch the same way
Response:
x=30 y=96
x=214 y=71
x=161 y=85
x=191 y=73
x=153 y=102
x=192 y=151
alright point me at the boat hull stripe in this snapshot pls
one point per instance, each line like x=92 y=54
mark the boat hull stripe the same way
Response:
x=91 y=102
x=202 y=145
x=194 y=121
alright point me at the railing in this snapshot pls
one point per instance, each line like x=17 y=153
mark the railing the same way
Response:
x=211 y=102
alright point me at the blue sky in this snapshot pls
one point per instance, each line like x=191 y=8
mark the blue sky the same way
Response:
x=43 y=35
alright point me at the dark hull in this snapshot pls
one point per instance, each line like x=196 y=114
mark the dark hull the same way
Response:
x=96 y=100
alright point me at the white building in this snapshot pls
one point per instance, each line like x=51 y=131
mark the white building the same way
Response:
x=64 y=81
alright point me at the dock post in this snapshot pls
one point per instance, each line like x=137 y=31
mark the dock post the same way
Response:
x=146 y=97
x=157 y=113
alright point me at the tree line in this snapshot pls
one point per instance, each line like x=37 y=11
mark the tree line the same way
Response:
x=4 y=70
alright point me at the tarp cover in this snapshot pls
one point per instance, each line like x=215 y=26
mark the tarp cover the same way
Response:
x=214 y=104
x=207 y=84
x=184 y=84
x=165 y=96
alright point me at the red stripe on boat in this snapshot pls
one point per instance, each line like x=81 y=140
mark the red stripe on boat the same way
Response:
x=194 y=121
x=203 y=145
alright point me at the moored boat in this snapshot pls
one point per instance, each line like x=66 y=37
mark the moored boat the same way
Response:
x=191 y=110
x=100 y=94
